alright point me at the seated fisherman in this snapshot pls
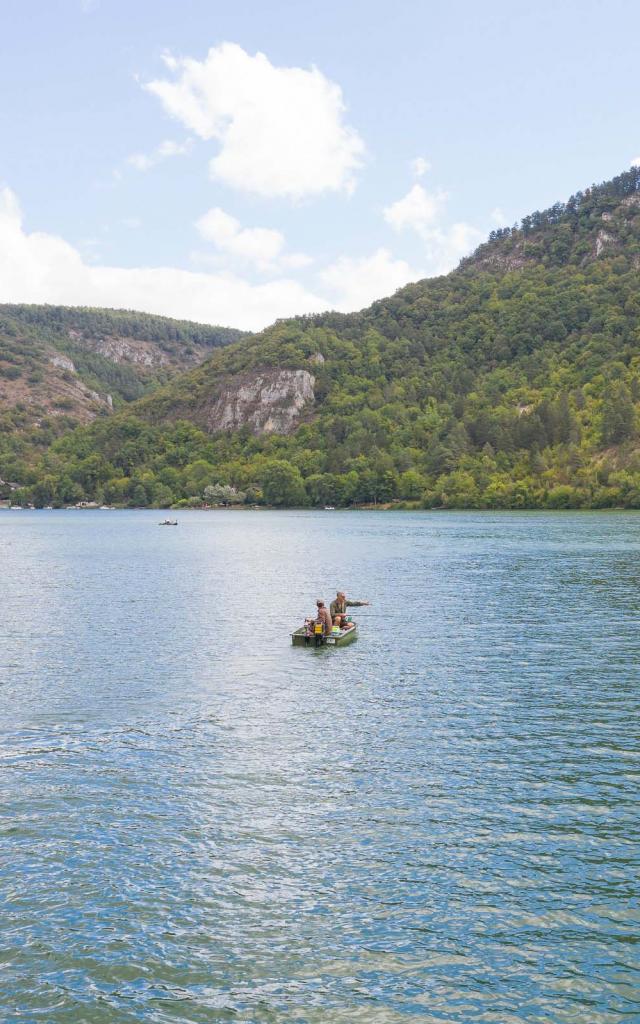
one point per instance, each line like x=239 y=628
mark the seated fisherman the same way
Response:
x=339 y=609
x=324 y=617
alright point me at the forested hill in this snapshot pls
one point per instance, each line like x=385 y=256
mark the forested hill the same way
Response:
x=512 y=382
x=586 y=226
x=69 y=364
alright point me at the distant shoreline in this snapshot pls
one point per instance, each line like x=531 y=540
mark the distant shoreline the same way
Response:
x=300 y=508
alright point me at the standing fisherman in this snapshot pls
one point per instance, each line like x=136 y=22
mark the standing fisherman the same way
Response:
x=339 y=608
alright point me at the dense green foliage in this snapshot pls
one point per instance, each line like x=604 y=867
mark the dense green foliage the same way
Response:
x=176 y=337
x=513 y=382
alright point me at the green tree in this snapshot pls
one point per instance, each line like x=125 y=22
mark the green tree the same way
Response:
x=163 y=496
x=618 y=415
x=282 y=484
x=412 y=485
x=139 y=498
x=45 y=492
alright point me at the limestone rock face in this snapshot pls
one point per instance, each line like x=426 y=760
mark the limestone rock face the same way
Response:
x=267 y=401
x=62 y=362
x=132 y=351
x=604 y=240
x=505 y=262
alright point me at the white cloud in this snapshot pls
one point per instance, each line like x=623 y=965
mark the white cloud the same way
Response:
x=258 y=245
x=355 y=283
x=636 y=162
x=498 y=217
x=39 y=267
x=420 y=166
x=262 y=247
x=417 y=210
x=166 y=149
x=281 y=130
x=423 y=213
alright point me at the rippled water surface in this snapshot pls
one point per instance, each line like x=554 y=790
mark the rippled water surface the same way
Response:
x=438 y=823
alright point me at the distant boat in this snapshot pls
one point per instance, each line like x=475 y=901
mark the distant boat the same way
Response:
x=329 y=508
x=168 y=522
x=16 y=508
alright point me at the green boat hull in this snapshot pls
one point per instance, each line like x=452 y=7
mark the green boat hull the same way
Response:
x=299 y=638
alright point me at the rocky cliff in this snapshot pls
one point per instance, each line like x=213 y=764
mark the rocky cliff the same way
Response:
x=142 y=353
x=267 y=401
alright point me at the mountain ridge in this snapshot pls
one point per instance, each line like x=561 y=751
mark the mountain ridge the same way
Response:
x=513 y=381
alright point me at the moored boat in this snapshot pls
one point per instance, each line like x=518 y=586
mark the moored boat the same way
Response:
x=302 y=638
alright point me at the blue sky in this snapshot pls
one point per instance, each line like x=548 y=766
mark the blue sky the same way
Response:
x=235 y=162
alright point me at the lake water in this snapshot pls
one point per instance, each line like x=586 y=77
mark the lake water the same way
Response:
x=439 y=823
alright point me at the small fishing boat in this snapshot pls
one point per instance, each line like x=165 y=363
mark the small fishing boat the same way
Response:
x=302 y=638
x=168 y=522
